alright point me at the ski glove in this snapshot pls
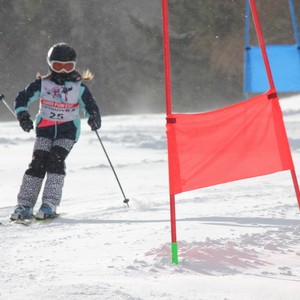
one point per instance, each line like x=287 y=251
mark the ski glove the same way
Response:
x=95 y=122
x=25 y=121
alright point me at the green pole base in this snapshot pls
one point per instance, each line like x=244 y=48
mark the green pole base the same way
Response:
x=174 y=253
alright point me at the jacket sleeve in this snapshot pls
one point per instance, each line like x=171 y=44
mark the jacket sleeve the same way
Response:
x=88 y=103
x=30 y=94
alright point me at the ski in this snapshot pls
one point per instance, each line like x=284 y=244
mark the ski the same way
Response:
x=35 y=220
x=28 y=222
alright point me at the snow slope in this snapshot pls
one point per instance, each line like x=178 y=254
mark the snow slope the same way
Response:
x=236 y=241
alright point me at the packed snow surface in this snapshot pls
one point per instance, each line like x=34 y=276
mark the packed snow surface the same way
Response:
x=236 y=241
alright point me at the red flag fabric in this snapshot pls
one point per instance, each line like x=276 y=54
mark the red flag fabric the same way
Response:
x=240 y=141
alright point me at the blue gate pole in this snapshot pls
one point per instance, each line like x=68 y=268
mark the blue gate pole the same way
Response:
x=247 y=49
x=294 y=21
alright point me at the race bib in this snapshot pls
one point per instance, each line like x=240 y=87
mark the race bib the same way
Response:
x=59 y=102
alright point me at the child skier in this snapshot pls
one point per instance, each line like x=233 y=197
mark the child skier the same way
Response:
x=60 y=93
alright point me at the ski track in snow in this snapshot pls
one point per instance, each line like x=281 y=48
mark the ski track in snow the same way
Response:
x=236 y=241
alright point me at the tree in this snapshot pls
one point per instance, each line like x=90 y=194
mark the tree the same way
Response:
x=121 y=42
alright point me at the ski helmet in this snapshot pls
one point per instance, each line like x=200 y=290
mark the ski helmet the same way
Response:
x=61 y=52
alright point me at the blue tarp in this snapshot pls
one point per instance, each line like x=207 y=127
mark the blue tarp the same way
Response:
x=285 y=66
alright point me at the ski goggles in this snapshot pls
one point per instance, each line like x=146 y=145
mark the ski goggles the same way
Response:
x=62 y=66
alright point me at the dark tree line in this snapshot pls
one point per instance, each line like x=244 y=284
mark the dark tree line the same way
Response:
x=121 y=43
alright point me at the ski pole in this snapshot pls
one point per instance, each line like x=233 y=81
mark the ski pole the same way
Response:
x=126 y=200
x=2 y=98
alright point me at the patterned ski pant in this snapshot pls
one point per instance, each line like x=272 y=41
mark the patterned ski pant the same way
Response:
x=48 y=158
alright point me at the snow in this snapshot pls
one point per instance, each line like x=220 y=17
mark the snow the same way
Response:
x=236 y=241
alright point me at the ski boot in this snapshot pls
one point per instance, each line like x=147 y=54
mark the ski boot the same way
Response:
x=46 y=211
x=22 y=212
